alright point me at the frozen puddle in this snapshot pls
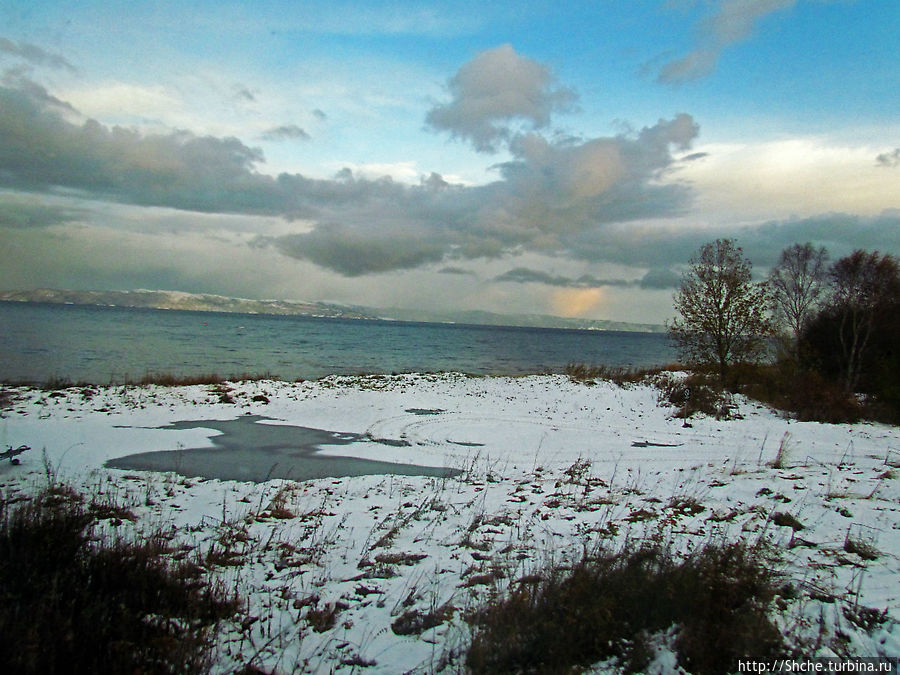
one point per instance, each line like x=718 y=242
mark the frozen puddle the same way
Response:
x=246 y=450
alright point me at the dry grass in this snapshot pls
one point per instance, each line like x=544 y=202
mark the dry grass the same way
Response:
x=621 y=375
x=162 y=379
x=76 y=601
x=609 y=605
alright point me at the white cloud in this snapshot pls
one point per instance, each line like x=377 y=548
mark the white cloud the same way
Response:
x=494 y=90
x=744 y=182
x=404 y=172
x=732 y=21
x=118 y=100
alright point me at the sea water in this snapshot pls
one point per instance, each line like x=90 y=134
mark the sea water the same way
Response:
x=42 y=342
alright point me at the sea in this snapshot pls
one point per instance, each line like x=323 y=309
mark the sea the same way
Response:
x=42 y=343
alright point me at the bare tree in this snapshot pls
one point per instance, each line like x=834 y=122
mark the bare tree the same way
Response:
x=722 y=313
x=863 y=284
x=797 y=285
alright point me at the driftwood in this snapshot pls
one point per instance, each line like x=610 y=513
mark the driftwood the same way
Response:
x=11 y=453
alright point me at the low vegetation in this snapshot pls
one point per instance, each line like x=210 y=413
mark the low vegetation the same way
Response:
x=815 y=340
x=611 y=606
x=161 y=379
x=73 y=599
x=621 y=375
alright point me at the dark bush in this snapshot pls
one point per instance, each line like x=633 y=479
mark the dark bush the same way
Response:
x=806 y=394
x=820 y=351
x=72 y=603
x=607 y=607
x=699 y=392
x=854 y=340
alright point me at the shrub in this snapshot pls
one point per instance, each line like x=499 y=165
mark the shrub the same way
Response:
x=607 y=607
x=73 y=601
x=589 y=374
x=620 y=375
x=805 y=393
x=699 y=392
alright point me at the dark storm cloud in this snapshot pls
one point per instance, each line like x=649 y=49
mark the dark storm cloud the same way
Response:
x=889 y=159
x=494 y=89
x=840 y=233
x=661 y=249
x=35 y=55
x=372 y=226
x=660 y=278
x=285 y=132
x=355 y=252
x=522 y=275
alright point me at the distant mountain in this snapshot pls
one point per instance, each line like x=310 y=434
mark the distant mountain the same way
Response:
x=196 y=302
x=535 y=320
x=205 y=302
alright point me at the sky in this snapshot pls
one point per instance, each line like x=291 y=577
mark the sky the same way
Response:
x=530 y=156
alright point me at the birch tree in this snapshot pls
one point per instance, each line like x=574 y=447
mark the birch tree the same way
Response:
x=797 y=286
x=864 y=284
x=721 y=312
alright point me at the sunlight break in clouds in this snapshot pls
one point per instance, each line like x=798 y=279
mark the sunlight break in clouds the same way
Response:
x=578 y=302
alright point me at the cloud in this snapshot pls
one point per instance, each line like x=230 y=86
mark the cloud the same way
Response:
x=355 y=252
x=563 y=189
x=286 y=132
x=40 y=150
x=125 y=101
x=522 y=275
x=732 y=21
x=889 y=159
x=242 y=93
x=35 y=55
x=493 y=90
x=660 y=278
x=803 y=176
x=840 y=233
x=20 y=214
x=551 y=196
x=18 y=80
x=548 y=197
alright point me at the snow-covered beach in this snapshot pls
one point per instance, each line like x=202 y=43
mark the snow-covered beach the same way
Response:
x=374 y=573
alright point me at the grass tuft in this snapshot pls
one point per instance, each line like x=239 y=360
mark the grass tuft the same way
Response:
x=608 y=607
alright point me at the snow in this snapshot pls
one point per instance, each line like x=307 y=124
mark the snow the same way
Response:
x=549 y=468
